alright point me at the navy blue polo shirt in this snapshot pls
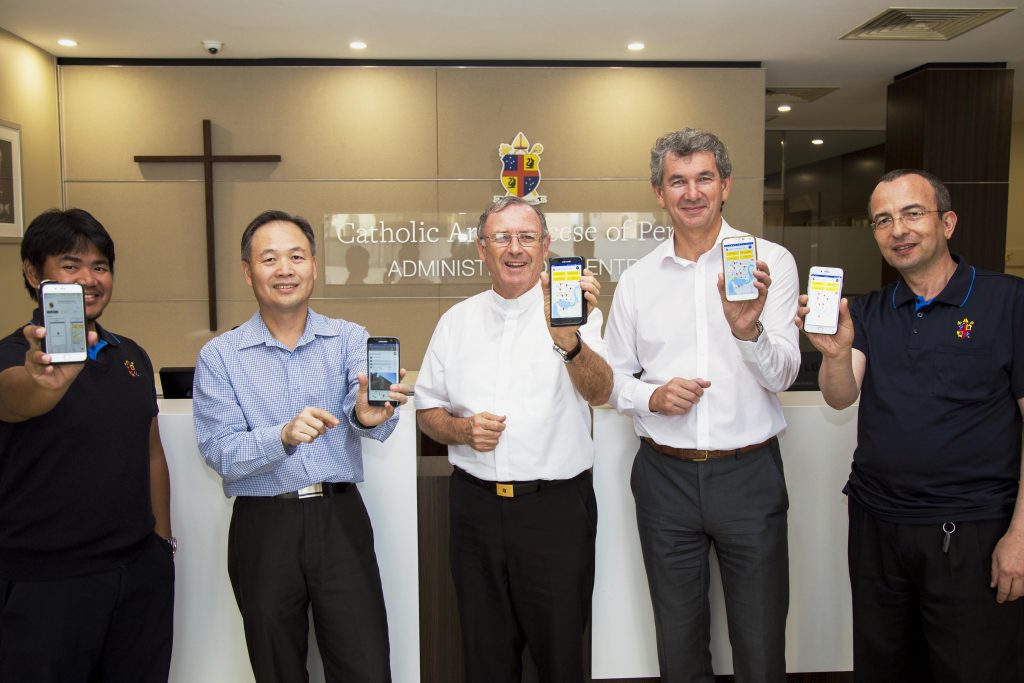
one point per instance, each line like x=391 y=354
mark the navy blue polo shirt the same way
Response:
x=939 y=427
x=74 y=482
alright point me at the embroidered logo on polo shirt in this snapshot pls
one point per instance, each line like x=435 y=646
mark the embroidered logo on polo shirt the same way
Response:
x=131 y=368
x=963 y=328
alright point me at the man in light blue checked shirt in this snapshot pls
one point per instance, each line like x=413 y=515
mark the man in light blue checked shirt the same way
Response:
x=280 y=405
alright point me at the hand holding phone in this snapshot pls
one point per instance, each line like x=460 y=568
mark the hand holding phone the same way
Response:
x=824 y=292
x=63 y=308
x=568 y=306
x=739 y=263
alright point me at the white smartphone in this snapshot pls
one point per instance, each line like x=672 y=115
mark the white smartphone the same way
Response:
x=64 y=319
x=824 y=291
x=739 y=261
x=382 y=368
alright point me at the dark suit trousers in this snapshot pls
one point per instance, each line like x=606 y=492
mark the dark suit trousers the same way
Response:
x=738 y=505
x=285 y=555
x=524 y=575
x=921 y=614
x=110 y=627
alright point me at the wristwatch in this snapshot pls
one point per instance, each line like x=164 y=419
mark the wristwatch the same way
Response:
x=173 y=542
x=760 y=330
x=567 y=356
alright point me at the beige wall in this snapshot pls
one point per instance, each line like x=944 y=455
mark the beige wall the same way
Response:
x=1015 y=208
x=362 y=140
x=28 y=98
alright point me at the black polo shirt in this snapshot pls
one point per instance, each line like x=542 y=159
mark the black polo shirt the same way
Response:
x=939 y=427
x=74 y=482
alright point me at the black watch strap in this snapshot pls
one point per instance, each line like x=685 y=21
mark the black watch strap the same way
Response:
x=567 y=356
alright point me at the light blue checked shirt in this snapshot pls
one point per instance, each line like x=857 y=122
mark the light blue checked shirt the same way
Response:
x=248 y=386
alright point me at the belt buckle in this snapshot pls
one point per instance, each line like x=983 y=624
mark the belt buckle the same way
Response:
x=311 y=491
x=706 y=453
x=504 y=490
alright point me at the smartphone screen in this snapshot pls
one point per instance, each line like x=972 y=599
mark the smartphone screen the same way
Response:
x=381 y=367
x=63 y=308
x=739 y=261
x=567 y=303
x=824 y=291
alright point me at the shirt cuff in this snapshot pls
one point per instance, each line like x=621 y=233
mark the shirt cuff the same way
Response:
x=272 y=446
x=640 y=395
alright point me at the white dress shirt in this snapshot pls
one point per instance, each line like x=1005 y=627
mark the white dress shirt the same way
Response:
x=495 y=355
x=667 y=321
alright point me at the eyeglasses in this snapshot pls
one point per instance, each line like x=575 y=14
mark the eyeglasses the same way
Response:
x=908 y=218
x=503 y=239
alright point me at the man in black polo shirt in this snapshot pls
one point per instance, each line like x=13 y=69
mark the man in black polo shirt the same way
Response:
x=936 y=545
x=86 y=566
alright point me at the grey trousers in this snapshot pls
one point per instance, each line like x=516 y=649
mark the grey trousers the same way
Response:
x=738 y=504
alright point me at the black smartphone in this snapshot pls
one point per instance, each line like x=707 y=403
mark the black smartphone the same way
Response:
x=381 y=368
x=568 y=307
x=64 y=319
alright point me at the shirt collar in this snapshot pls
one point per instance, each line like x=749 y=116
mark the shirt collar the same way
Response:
x=956 y=292
x=524 y=301
x=254 y=332
x=667 y=249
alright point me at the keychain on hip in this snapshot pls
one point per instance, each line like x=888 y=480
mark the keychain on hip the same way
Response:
x=948 y=528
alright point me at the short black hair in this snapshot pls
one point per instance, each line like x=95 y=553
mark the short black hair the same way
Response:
x=942 y=201
x=270 y=217
x=56 y=232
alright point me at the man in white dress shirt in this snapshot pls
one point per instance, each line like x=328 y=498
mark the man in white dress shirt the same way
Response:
x=509 y=394
x=699 y=374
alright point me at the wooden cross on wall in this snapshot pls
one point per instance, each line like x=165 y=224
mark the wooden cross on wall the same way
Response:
x=208 y=159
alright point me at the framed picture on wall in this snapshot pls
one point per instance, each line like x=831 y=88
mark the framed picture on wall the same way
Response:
x=12 y=217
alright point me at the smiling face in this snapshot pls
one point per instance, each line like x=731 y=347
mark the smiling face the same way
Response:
x=692 y=191
x=87 y=267
x=514 y=268
x=911 y=247
x=281 y=269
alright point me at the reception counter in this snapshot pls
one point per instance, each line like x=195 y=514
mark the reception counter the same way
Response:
x=816 y=447
x=209 y=644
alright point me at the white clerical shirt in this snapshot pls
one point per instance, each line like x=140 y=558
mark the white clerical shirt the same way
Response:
x=667 y=321
x=495 y=355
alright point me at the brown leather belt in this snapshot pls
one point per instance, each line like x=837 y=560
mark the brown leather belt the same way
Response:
x=696 y=455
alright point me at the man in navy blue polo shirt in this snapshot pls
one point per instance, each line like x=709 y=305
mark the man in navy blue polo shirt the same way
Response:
x=86 y=567
x=936 y=544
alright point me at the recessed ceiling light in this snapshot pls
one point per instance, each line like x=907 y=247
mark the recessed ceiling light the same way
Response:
x=67 y=42
x=784 y=108
x=357 y=45
x=817 y=141
x=635 y=46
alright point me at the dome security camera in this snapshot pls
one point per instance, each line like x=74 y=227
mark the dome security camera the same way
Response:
x=213 y=46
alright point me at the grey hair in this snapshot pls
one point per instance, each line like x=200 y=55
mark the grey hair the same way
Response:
x=501 y=204
x=684 y=143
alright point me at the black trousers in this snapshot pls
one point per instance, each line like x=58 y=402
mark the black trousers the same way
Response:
x=524 y=575
x=739 y=505
x=111 y=627
x=285 y=555
x=921 y=614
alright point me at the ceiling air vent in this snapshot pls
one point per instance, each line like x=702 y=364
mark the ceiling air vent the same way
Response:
x=923 y=23
x=782 y=95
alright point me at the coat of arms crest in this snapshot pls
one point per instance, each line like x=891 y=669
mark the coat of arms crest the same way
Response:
x=520 y=169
